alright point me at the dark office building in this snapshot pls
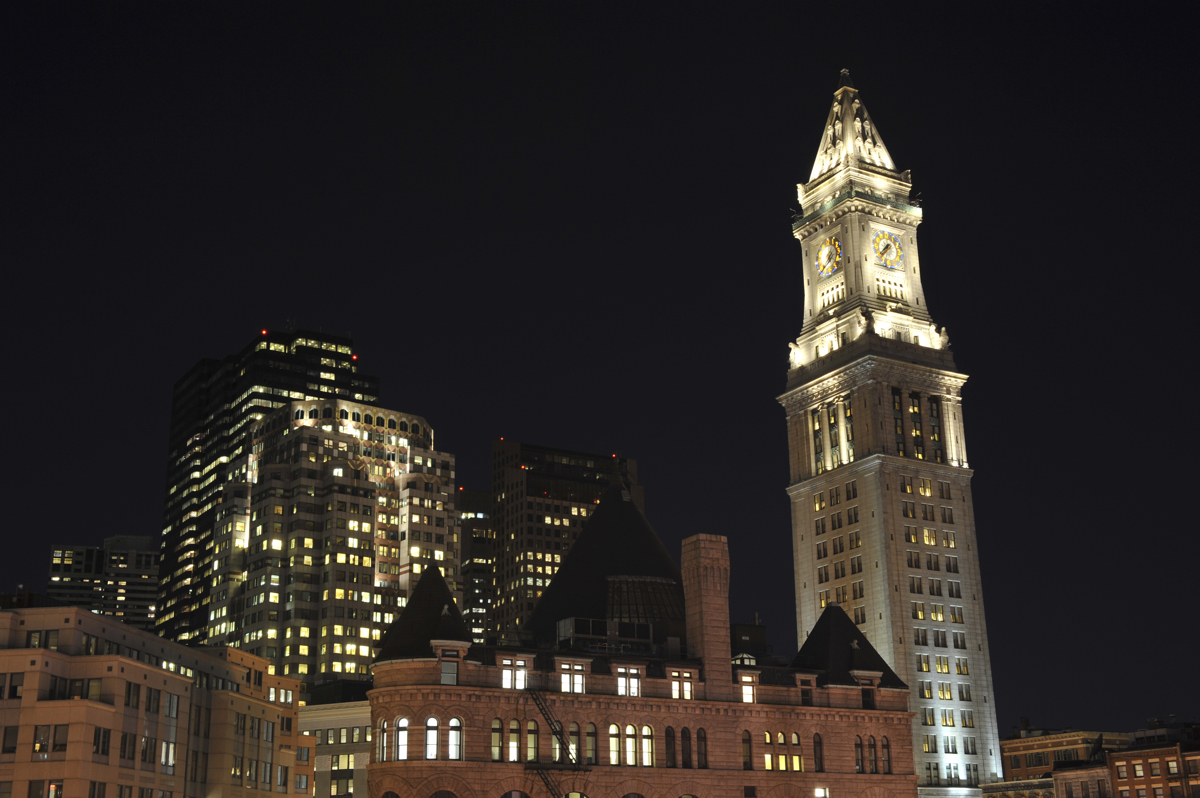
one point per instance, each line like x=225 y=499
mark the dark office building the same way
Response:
x=119 y=578
x=541 y=498
x=478 y=560
x=212 y=408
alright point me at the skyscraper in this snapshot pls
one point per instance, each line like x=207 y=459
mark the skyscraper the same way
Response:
x=336 y=506
x=882 y=514
x=542 y=497
x=212 y=408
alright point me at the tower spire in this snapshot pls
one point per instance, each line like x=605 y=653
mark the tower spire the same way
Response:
x=850 y=134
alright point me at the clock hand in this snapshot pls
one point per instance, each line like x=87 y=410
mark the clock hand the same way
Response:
x=883 y=251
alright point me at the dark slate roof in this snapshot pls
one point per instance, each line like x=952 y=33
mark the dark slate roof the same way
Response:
x=836 y=646
x=616 y=542
x=430 y=614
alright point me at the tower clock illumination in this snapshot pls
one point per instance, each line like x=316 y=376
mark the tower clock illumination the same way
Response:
x=882 y=514
x=888 y=250
x=829 y=257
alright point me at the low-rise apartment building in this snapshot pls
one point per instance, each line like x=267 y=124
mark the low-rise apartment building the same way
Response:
x=92 y=707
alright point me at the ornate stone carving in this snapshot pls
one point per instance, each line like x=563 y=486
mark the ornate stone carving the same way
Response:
x=880 y=369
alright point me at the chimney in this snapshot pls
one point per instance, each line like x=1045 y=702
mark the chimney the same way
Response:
x=1024 y=727
x=706 y=600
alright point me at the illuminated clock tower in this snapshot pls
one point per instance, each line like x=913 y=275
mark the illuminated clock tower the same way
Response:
x=882 y=513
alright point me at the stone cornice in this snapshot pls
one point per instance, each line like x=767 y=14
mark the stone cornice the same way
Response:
x=798 y=491
x=855 y=201
x=872 y=368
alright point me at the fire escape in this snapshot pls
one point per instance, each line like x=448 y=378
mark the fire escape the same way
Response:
x=570 y=759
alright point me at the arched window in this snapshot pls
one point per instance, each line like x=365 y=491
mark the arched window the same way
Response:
x=391 y=423
x=401 y=739
x=669 y=742
x=497 y=739
x=514 y=741
x=343 y=413
x=872 y=760
x=818 y=754
x=381 y=744
x=858 y=754
x=573 y=741
x=299 y=414
x=404 y=426
x=416 y=428
x=647 y=747
x=630 y=745
x=312 y=413
x=327 y=413
x=454 y=749
x=515 y=794
x=356 y=416
x=555 y=744
x=591 y=743
x=795 y=739
x=797 y=754
x=746 y=763
x=368 y=420
x=701 y=749
x=780 y=738
x=531 y=741
x=887 y=756
x=767 y=738
x=431 y=741
x=685 y=743
x=614 y=744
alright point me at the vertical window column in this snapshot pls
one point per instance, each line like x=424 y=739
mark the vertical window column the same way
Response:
x=827 y=434
x=818 y=441
x=836 y=456
x=846 y=422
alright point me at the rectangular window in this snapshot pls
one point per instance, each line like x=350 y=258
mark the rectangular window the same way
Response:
x=628 y=682
x=513 y=674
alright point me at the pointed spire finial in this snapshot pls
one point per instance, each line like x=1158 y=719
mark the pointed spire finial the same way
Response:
x=845 y=80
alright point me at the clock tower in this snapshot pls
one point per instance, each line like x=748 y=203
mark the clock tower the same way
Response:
x=882 y=513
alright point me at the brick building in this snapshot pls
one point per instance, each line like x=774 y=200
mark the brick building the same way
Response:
x=92 y=707
x=625 y=687
x=1032 y=753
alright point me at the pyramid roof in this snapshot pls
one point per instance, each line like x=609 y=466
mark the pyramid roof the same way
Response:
x=836 y=646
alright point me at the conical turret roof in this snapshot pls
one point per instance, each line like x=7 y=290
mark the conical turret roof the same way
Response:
x=836 y=646
x=618 y=562
x=850 y=134
x=431 y=614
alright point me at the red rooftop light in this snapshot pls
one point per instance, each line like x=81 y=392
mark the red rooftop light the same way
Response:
x=264 y=332
x=354 y=357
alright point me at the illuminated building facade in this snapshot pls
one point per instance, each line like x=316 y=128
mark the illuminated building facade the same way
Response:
x=93 y=707
x=621 y=697
x=119 y=578
x=212 y=408
x=541 y=497
x=339 y=504
x=882 y=513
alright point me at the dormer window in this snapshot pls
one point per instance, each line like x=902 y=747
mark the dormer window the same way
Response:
x=629 y=682
x=572 y=677
x=513 y=673
x=747 y=689
x=681 y=685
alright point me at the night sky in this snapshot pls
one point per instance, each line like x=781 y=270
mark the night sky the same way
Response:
x=569 y=224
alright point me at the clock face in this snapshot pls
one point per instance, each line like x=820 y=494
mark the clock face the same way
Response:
x=829 y=256
x=887 y=249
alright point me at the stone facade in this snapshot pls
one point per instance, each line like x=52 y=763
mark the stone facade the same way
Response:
x=882 y=512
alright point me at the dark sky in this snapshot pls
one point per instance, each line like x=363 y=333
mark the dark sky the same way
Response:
x=572 y=226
